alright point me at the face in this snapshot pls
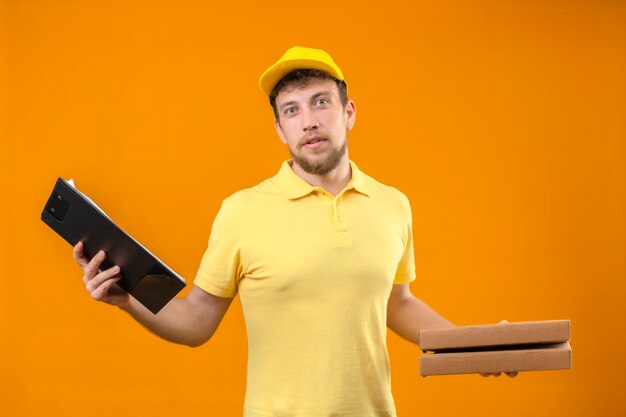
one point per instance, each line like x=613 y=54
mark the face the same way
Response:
x=313 y=124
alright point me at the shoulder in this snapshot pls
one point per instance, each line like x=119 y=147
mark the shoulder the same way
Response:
x=386 y=193
x=249 y=200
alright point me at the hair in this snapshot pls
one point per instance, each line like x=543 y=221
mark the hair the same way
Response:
x=300 y=78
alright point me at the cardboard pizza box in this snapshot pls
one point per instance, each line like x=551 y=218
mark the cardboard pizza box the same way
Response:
x=542 y=358
x=493 y=348
x=501 y=334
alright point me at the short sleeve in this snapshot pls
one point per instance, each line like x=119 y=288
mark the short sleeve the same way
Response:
x=406 y=267
x=220 y=269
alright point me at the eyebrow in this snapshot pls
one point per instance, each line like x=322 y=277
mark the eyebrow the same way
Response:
x=316 y=95
x=289 y=103
x=321 y=93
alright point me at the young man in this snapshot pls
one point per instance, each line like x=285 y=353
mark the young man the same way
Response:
x=321 y=256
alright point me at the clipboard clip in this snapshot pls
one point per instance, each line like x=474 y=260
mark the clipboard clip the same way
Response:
x=57 y=206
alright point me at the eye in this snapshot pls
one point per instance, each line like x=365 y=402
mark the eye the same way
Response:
x=290 y=110
x=321 y=101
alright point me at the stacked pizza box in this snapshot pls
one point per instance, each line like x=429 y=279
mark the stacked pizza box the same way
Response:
x=494 y=348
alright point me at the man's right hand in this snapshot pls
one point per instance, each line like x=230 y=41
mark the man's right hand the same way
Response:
x=101 y=285
x=190 y=320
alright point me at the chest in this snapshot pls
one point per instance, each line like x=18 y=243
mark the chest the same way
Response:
x=312 y=246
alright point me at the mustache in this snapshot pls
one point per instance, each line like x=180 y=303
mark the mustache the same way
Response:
x=308 y=138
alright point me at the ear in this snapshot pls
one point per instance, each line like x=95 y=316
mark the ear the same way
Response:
x=350 y=113
x=279 y=130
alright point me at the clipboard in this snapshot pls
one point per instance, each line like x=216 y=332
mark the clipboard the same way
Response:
x=76 y=218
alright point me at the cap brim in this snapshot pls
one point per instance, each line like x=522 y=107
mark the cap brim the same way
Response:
x=273 y=74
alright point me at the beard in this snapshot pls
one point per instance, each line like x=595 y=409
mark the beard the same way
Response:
x=324 y=166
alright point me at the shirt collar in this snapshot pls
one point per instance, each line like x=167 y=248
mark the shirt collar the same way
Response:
x=295 y=187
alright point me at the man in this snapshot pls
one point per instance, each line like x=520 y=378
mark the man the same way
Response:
x=321 y=255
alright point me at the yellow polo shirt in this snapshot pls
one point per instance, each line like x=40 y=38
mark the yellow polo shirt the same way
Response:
x=314 y=273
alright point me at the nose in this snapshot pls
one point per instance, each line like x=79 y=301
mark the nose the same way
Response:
x=309 y=120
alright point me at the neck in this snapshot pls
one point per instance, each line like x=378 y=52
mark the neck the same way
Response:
x=333 y=181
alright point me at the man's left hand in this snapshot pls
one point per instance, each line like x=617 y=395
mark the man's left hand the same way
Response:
x=497 y=374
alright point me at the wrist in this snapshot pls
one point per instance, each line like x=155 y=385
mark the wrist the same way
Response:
x=126 y=305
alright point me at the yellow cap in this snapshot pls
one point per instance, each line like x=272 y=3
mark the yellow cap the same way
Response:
x=295 y=58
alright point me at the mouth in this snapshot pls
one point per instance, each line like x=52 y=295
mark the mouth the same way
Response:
x=313 y=142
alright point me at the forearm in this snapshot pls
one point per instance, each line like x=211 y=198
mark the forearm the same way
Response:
x=191 y=320
x=406 y=317
x=177 y=322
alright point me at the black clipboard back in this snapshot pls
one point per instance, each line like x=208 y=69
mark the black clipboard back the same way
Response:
x=76 y=218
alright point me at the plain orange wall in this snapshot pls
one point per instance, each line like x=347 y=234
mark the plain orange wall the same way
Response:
x=503 y=122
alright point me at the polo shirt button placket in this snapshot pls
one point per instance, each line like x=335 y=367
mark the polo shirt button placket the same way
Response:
x=343 y=235
x=337 y=210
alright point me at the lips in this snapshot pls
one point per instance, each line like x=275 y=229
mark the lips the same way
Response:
x=313 y=142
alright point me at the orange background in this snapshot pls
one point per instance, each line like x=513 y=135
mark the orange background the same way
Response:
x=503 y=122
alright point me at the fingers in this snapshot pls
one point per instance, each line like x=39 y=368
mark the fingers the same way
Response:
x=97 y=281
x=497 y=374
x=91 y=269
x=79 y=257
x=101 y=293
